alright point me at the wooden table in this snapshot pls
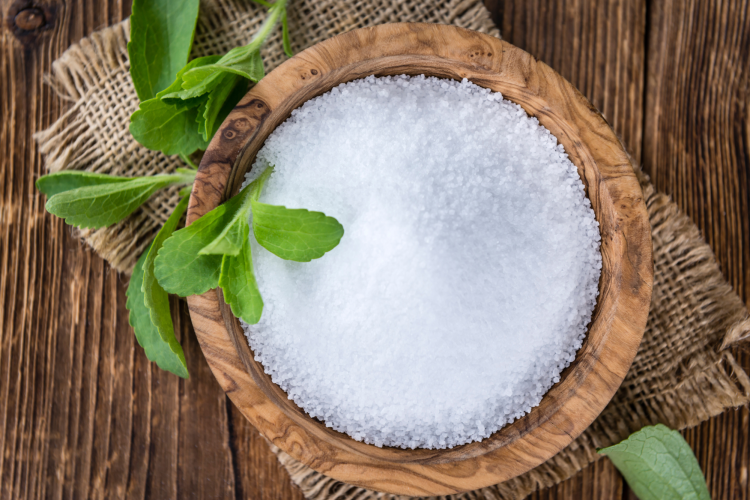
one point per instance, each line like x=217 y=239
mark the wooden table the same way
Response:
x=82 y=412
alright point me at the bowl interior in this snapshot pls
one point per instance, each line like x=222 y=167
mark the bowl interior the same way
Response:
x=569 y=379
x=624 y=288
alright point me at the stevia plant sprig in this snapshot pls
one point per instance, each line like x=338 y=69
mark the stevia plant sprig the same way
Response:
x=212 y=252
x=215 y=249
x=184 y=116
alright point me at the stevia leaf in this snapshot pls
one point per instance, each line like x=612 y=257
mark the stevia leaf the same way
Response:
x=256 y=187
x=59 y=182
x=201 y=120
x=295 y=234
x=179 y=267
x=285 y=36
x=96 y=206
x=238 y=283
x=155 y=297
x=221 y=102
x=174 y=94
x=658 y=464
x=167 y=128
x=250 y=67
x=233 y=235
x=229 y=241
x=161 y=35
x=167 y=357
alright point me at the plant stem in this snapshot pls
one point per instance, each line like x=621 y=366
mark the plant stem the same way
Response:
x=275 y=12
x=181 y=176
x=188 y=161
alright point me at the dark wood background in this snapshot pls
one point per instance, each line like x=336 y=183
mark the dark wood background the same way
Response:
x=82 y=412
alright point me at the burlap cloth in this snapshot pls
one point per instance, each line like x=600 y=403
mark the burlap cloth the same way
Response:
x=684 y=371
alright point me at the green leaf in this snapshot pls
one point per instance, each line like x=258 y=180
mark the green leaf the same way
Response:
x=67 y=180
x=180 y=268
x=201 y=120
x=230 y=240
x=238 y=283
x=295 y=234
x=659 y=465
x=96 y=206
x=167 y=357
x=285 y=36
x=232 y=236
x=155 y=297
x=257 y=185
x=174 y=94
x=167 y=128
x=221 y=102
x=249 y=66
x=161 y=35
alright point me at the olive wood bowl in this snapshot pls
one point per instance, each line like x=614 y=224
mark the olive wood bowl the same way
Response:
x=624 y=289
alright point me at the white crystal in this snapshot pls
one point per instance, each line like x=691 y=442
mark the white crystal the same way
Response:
x=466 y=276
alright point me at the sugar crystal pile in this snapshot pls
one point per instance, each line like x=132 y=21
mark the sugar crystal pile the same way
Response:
x=466 y=277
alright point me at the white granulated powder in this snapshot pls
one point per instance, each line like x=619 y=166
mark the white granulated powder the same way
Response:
x=466 y=276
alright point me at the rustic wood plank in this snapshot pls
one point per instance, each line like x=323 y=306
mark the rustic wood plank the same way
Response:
x=599 y=481
x=205 y=469
x=696 y=148
x=697 y=139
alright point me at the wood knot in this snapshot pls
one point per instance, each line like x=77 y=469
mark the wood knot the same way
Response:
x=304 y=75
x=241 y=124
x=30 y=19
x=27 y=20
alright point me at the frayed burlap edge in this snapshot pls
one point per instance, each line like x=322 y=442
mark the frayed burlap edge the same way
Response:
x=683 y=374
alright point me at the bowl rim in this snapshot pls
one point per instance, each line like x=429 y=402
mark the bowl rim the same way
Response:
x=625 y=287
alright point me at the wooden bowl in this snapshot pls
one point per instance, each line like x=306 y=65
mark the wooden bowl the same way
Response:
x=625 y=286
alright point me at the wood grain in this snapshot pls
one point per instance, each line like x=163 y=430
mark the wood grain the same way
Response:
x=625 y=287
x=48 y=279
x=696 y=148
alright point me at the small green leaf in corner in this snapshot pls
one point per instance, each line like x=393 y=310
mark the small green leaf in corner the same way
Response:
x=658 y=464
